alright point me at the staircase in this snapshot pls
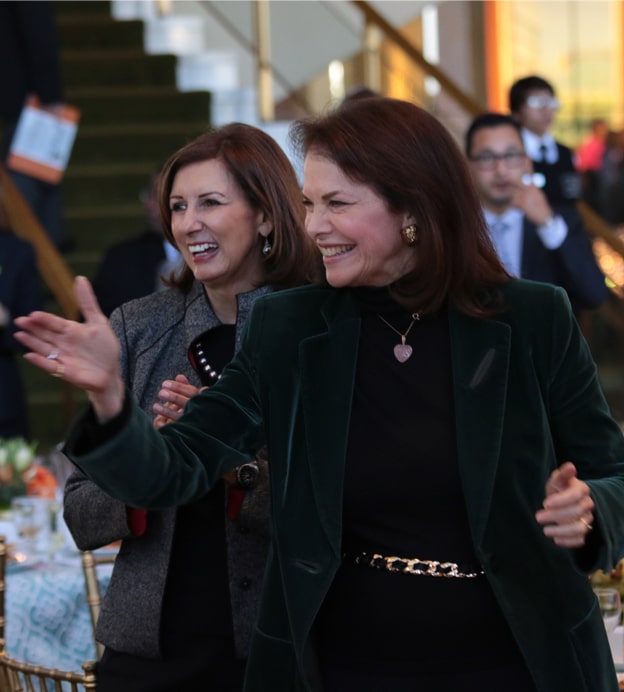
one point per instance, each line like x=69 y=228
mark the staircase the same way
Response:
x=132 y=119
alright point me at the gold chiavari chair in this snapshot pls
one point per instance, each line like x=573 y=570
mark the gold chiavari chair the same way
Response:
x=19 y=676
x=90 y=562
x=3 y=560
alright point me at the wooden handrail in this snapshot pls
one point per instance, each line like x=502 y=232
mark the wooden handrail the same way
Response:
x=598 y=227
x=465 y=100
x=19 y=218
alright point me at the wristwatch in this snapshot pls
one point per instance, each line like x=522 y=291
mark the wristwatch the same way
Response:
x=247 y=475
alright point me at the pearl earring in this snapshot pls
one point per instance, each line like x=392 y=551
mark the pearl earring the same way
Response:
x=266 y=248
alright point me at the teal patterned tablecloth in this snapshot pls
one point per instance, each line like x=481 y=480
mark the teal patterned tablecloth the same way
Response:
x=47 y=617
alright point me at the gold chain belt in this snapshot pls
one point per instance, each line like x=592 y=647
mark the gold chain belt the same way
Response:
x=404 y=565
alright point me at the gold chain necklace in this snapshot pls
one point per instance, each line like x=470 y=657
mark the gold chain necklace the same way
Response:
x=402 y=351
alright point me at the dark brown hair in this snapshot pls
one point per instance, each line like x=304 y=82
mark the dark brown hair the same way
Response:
x=268 y=181
x=411 y=161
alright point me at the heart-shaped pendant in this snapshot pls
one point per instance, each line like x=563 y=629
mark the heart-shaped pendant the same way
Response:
x=402 y=352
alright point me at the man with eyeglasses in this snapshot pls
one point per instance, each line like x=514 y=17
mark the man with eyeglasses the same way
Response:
x=534 y=239
x=533 y=105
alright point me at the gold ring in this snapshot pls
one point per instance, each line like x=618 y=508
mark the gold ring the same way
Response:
x=586 y=524
x=60 y=370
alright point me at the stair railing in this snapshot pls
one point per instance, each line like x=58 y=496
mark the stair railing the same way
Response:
x=471 y=105
x=20 y=219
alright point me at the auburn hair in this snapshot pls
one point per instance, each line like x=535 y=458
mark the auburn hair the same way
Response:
x=268 y=182
x=409 y=158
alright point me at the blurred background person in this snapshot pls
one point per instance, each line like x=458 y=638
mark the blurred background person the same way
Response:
x=20 y=293
x=533 y=105
x=534 y=239
x=589 y=160
x=134 y=268
x=610 y=180
x=182 y=600
x=30 y=58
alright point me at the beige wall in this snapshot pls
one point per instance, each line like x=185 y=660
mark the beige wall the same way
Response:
x=575 y=45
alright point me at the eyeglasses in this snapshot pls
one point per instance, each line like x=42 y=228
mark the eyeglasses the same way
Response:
x=488 y=160
x=538 y=102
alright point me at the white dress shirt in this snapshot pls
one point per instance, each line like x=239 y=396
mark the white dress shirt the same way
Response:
x=507 y=235
x=533 y=146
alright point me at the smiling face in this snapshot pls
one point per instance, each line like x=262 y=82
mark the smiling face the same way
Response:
x=215 y=228
x=358 y=236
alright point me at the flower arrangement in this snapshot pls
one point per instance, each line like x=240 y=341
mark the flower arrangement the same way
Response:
x=16 y=457
x=22 y=472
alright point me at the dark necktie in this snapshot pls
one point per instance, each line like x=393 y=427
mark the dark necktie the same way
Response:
x=543 y=151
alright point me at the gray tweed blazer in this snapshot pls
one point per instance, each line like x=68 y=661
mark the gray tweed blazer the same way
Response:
x=154 y=333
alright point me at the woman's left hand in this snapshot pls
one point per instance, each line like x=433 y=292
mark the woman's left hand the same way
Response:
x=568 y=512
x=173 y=396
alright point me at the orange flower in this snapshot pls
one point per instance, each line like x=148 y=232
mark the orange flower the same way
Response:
x=40 y=482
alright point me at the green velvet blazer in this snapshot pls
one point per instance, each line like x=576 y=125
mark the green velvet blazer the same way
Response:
x=527 y=398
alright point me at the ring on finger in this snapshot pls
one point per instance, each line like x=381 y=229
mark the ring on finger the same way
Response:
x=53 y=355
x=60 y=370
x=586 y=524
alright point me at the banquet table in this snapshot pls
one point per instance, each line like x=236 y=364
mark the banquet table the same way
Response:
x=47 y=617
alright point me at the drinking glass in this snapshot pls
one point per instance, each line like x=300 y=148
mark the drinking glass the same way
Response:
x=57 y=537
x=610 y=604
x=31 y=518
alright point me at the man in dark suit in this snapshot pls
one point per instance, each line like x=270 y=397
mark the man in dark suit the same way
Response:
x=133 y=268
x=19 y=295
x=29 y=56
x=534 y=239
x=533 y=104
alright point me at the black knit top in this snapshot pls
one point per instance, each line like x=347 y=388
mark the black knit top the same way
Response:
x=403 y=496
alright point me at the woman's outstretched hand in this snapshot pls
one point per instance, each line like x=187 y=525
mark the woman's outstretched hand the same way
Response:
x=83 y=353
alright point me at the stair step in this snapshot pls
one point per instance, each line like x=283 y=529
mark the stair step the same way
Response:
x=86 y=32
x=140 y=105
x=87 y=186
x=138 y=129
x=95 y=228
x=107 y=170
x=64 y=9
x=149 y=145
x=128 y=67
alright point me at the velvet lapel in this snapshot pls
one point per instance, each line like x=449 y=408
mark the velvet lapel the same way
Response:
x=480 y=356
x=328 y=371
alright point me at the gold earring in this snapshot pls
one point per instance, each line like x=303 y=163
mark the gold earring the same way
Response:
x=409 y=234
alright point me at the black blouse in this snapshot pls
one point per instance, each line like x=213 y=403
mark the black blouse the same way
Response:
x=403 y=496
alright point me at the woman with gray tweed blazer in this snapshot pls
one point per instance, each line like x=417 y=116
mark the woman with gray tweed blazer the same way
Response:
x=182 y=599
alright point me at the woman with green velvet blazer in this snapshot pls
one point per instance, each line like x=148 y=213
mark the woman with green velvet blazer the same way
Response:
x=444 y=469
